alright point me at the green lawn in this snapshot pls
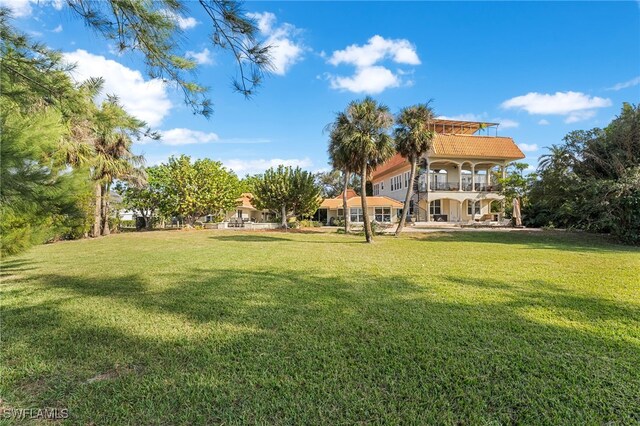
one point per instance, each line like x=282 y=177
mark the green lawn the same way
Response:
x=212 y=327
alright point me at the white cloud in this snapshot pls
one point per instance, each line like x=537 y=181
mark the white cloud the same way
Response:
x=631 y=83
x=575 y=105
x=371 y=80
x=377 y=49
x=286 y=48
x=574 y=117
x=370 y=77
x=19 y=8
x=145 y=99
x=526 y=147
x=201 y=58
x=22 y=8
x=243 y=167
x=465 y=117
x=506 y=123
x=184 y=23
x=57 y=29
x=543 y=122
x=182 y=136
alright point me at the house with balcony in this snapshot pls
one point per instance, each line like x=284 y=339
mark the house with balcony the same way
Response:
x=458 y=179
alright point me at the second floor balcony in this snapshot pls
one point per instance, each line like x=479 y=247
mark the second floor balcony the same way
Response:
x=456 y=186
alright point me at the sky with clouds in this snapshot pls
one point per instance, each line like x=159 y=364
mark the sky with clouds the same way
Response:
x=540 y=69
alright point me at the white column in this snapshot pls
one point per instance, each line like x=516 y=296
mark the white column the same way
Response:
x=460 y=177
x=473 y=177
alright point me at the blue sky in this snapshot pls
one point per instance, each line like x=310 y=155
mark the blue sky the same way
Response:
x=541 y=69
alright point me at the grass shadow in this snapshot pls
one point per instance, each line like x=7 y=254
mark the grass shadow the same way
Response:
x=282 y=346
x=546 y=240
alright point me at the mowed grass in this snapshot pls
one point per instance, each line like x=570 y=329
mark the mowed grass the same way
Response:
x=209 y=327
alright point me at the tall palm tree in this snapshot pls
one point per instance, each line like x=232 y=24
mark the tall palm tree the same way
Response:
x=113 y=129
x=413 y=140
x=364 y=128
x=343 y=158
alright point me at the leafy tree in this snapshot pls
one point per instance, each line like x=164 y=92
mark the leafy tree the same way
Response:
x=413 y=139
x=147 y=200
x=152 y=28
x=288 y=192
x=332 y=183
x=590 y=182
x=248 y=183
x=516 y=184
x=193 y=190
x=364 y=129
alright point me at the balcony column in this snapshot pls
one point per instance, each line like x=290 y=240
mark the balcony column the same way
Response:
x=428 y=178
x=473 y=177
x=460 y=177
x=503 y=203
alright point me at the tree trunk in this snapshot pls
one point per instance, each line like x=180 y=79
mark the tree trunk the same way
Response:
x=97 y=213
x=105 y=210
x=283 y=218
x=368 y=234
x=345 y=210
x=407 y=199
x=147 y=220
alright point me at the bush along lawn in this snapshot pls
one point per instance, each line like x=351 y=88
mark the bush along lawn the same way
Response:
x=210 y=327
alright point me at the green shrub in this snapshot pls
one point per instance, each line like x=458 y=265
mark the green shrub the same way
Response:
x=305 y=223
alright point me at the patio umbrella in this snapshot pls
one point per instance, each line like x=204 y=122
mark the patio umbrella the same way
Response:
x=516 y=211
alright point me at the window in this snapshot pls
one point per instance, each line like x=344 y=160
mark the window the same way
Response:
x=406 y=179
x=239 y=214
x=340 y=213
x=435 y=207
x=376 y=189
x=396 y=183
x=383 y=214
x=470 y=206
x=411 y=211
x=356 y=214
x=382 y=186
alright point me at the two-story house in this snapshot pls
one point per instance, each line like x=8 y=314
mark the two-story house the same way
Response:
x=457 y=180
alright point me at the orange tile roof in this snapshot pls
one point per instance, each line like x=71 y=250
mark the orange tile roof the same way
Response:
x=396 y=162
x=245 y=201
x=350 y=193
x=475 y=147
x=460 y=146
x=375 y=201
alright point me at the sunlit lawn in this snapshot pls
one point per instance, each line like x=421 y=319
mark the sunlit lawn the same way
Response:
x=209 y=327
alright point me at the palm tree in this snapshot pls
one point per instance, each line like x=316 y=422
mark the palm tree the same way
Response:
x=342 y=156
x=558 y=157
x=113 y=130
x=363 y=127
x=413 y=140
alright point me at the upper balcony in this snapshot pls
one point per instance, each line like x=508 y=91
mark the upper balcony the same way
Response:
x=455 y=186
x=461 y=176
